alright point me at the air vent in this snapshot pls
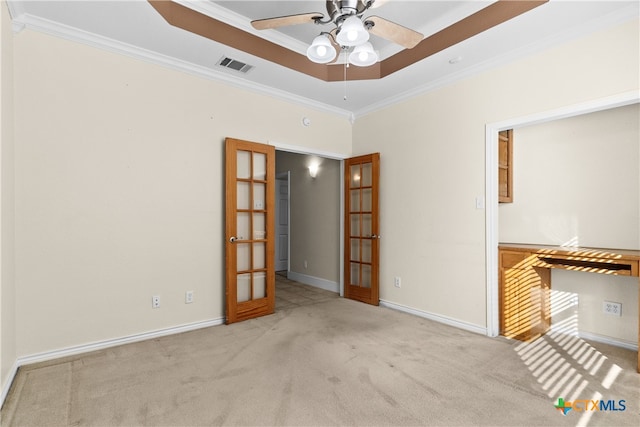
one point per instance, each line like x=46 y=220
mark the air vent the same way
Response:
x=234 y=65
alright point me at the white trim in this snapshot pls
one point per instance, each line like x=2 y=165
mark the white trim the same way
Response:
x=99 y=345
x=592 y=106
x=239 y=21
x=318 y=282
x=342 y=238
x=491 y=182
x=288 y=221
x=16 y=8
x=616 y=342
x=23 y=20
x=282 y=176
x=491 y=229
x=435 y=317
x=307 y=150
x=9 y=381
x=56 y=29
x=617 y=17
x=234 y=19
x=310 y=280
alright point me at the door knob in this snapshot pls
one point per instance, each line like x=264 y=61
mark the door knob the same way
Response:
x=233 y=239
x=375 y=236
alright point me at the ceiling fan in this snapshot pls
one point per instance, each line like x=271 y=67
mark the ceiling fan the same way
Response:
x=351 y=31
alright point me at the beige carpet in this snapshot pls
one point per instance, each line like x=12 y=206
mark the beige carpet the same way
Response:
x=329 y=362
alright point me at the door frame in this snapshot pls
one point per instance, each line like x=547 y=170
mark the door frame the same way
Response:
x=328 y=155
x=491 y=183
x=279 y=177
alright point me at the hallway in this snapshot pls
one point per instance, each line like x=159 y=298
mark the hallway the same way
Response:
x=290 y=294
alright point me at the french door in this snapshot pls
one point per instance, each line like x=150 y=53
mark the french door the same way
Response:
x=362 y=238
x=250 y=230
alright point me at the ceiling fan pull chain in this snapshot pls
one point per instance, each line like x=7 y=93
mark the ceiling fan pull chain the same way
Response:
x=346 y=65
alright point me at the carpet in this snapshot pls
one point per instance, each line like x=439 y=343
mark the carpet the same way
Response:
x=334 y=362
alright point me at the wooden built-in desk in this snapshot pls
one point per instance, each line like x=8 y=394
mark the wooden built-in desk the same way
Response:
x=525 y=282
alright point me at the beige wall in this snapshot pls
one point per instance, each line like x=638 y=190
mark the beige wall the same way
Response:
x=315 y=215
x=433 y=156
x=119 y=189
x=577 y=183
x=7 y=277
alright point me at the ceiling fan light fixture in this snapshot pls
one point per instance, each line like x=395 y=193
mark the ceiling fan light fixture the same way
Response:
x=352 y=32
x=321 y=50
x=363 y=55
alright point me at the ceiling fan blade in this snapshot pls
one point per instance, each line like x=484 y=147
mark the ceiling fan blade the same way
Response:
x=395 y=32
x=281 y=21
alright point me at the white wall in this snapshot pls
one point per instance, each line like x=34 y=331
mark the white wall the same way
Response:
x=577 y=183
x=7 y=277
x=432 y=165
x=120 y=189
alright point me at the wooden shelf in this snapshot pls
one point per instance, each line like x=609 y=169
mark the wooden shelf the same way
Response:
x=505 y=166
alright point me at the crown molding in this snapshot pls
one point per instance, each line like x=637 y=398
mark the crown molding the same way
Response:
x=52 y=28
x=21 y=20
x=220 y=13
x=599 y=24
x=227 y=16
x=15 y=8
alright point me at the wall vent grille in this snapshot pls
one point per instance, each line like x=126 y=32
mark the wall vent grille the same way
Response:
x=233 y=64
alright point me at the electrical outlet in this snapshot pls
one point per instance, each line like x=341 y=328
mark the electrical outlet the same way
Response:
x=155 y=301
x=306 y=264
x=612 y=308
x=188 y=297
x=397 y=282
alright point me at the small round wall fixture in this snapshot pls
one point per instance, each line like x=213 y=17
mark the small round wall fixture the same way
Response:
x=306 y=121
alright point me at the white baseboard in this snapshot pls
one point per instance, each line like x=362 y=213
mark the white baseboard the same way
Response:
x=616 y=342
x=99 y=345
x=435 y=317
x=318 y=282
x=7 y=384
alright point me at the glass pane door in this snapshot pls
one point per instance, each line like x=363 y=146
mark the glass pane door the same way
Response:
x=361 y=228
x=250 y=230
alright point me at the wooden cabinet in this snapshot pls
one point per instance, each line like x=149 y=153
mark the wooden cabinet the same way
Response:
x=524 y=296
x=524 y=286
x=505 y=166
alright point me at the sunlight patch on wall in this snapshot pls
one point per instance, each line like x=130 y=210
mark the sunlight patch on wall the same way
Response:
x=573 y=242
x=559 y=228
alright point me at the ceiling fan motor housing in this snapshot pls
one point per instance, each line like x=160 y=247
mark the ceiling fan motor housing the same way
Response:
x=338 y=10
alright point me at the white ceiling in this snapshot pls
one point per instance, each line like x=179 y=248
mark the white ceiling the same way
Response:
x=135 y=28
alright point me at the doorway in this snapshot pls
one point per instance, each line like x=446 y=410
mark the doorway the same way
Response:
x=313 y=235
x=315 y=197
x=491 y=184
x=282 y=215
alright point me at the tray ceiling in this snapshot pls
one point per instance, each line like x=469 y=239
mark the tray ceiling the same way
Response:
x=136 y=28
